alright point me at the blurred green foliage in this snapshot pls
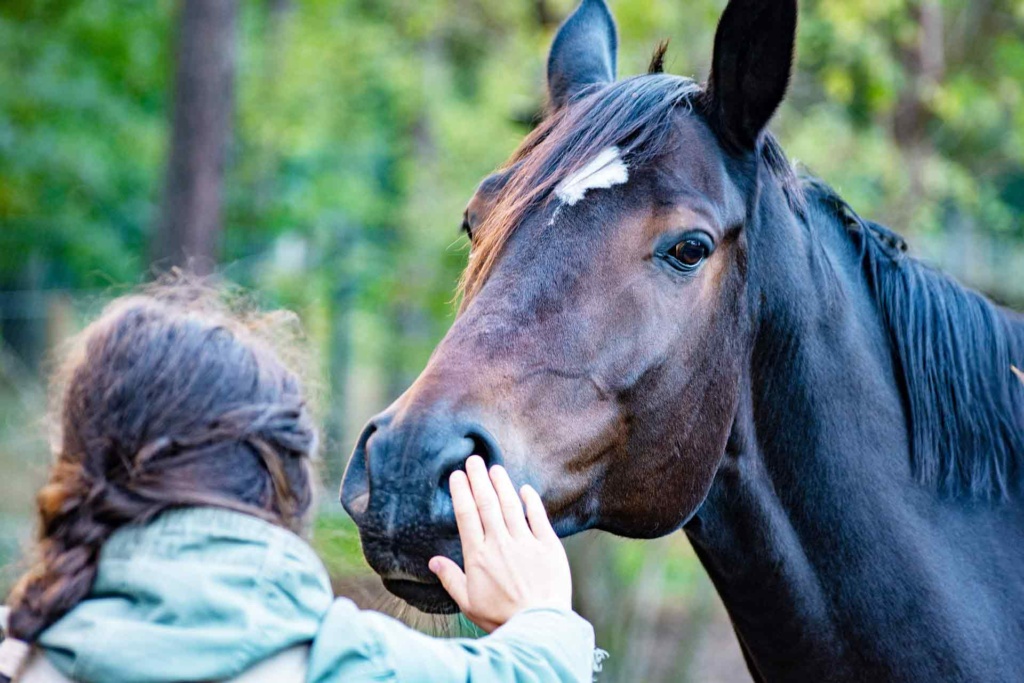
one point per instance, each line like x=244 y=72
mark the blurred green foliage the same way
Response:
x=81 y=136
x=362 y=127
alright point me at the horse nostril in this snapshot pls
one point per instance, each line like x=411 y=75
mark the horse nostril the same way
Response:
x=476 y=442
x=485 y=446
x=396 y=469
x=355 y=485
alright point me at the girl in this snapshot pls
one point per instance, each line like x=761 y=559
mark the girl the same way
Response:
x=171 y=531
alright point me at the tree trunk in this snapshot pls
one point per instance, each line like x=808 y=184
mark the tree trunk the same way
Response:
x=924 y=64
x=545 y=16
x=190 y=223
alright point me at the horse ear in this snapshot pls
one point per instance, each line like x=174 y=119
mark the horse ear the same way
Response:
x=584 y=52
x=750 y=68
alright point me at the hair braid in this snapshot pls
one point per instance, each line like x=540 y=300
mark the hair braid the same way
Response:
x=72 y=534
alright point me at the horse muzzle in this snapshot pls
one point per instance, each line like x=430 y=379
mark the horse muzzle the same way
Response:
x=396 y=490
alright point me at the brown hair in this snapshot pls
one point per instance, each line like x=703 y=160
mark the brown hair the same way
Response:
x=169 y=401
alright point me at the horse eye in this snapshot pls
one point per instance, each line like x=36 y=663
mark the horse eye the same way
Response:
x=690 y=252
x=466 y=227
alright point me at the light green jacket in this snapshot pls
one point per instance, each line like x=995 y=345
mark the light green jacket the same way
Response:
x=204 y=594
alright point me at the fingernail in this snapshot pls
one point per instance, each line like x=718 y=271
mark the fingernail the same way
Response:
x=434 y=564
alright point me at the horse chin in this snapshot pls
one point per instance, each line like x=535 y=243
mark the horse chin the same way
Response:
x=426 y=597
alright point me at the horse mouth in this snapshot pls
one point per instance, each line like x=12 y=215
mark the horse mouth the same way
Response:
x=426 y=596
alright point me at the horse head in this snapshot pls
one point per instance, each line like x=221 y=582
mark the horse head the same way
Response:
x=599 y=348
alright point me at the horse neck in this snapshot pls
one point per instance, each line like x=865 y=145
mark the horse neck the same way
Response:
x=815 y=529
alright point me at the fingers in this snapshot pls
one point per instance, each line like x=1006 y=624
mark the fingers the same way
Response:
x=486 y=499
x=466 y=515
x=538 y=517
x=452 y=578
x=511 y=506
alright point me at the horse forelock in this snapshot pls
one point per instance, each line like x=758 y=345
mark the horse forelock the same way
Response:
x=635 y=115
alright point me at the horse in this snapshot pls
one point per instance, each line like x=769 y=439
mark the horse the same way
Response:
x=663 y=326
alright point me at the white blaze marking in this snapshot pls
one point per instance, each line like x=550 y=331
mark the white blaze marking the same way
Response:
x=606 y=170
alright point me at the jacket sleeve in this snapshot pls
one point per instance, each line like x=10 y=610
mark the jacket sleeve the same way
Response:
x=535 y=646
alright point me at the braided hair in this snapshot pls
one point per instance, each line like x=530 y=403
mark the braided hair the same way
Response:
x=168 y=403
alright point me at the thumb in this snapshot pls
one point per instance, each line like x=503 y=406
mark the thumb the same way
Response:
x=452 y=578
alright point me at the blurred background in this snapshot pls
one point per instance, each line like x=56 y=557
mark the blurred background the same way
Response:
x=320 y=153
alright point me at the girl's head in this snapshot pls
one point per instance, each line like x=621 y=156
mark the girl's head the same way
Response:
x=167 y=402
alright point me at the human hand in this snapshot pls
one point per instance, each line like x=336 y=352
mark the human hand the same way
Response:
x=510 y=565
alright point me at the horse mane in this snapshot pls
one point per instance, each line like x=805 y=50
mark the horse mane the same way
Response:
x=635 y=114
x=953 y=350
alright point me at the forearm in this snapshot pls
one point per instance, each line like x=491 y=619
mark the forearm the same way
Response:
x=535 y=646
